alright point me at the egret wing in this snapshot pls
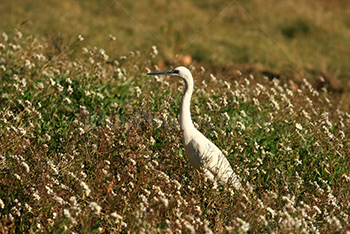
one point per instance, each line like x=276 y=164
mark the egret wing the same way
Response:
x=213 y=160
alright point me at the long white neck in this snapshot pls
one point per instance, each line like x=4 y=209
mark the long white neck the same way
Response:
x=185 y=113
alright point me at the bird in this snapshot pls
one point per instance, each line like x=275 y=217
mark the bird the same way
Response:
x=202 y=154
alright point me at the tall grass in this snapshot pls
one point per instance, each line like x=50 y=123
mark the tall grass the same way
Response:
x=289 y=36
x=91 y=144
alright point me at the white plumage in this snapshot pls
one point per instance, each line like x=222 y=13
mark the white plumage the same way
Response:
x=201 y=152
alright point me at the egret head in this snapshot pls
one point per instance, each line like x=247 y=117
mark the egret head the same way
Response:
x=182 y=72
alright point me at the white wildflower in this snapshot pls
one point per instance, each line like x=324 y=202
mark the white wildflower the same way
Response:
x=243 y=114
x=40 y=57
x=67 y=213
x=113 y=38
x=17 y=176
x=158 y=122
x=256 y=102
x=36 y=196
x=116 y=216
x=80 y=37
x=272 y=212
x=133 y=162
x=40 y=85
x=274 y=104
x=317 y=209
x=22 y=130
x=5 y=36
x=47 y=137
x=138 y=91
x=244 y=225
x=73 y=200
x=298 y=162
x=49 y=190
x=26 y=167
x=177 y=184
x=19 y=35
x=85 y=50
x=28 y=64
x=165 y=201
x=28 y=207
x=66 y=99
x=100 y=95
x=70 y=90
x=154 y=50
x=298 y=126
x=246 y=81
x=81 y=131
x=59 y=200
x=190 y=228
x=53 y=83
x=152 y=141
x=2 y=205
x=83 y=174
x=226 y=116
x=15 y=211
x=86 y=188
x=95 y=207
x=240 y=126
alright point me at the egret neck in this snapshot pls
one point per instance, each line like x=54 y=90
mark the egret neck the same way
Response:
x=185 y=113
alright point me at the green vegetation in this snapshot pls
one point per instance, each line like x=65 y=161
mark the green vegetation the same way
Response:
x=91 y=144
x=292 y=37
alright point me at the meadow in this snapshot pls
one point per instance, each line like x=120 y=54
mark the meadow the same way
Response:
x=90 y=144
x=293 y=38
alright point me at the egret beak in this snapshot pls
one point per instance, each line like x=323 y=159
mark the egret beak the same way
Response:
x=162 y=73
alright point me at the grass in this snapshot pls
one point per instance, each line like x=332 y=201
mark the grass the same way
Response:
x=89 y=143
x=291 y=37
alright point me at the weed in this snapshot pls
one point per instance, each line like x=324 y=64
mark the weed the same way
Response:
x=91 y=144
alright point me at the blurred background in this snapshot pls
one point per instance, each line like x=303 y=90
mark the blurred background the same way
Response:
x=295 y=38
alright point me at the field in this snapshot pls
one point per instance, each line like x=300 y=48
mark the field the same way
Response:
x=90 y=144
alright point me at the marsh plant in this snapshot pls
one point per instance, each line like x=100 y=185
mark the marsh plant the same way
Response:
x=89 y=143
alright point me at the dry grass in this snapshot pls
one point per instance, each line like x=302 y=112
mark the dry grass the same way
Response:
x=290 y=36
x=91 y=144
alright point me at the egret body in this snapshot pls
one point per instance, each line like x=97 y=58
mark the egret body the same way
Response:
x=201 y=152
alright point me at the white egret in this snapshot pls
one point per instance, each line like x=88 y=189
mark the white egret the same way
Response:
x=201 y=152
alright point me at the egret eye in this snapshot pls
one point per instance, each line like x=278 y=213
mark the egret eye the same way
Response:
x=176 y=71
